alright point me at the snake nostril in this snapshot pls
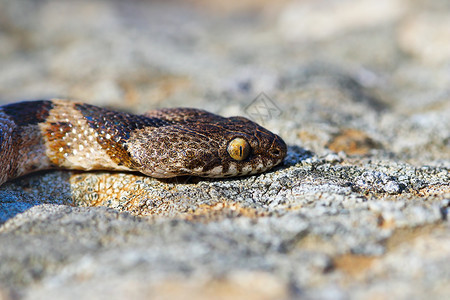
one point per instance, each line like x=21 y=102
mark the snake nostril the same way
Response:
x=276 y=152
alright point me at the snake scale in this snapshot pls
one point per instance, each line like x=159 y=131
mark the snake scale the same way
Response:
x=59 y=134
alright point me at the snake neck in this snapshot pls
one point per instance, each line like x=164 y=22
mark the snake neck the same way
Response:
x=42 y=135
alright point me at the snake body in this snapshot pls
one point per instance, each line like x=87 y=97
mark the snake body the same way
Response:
x=51 y=134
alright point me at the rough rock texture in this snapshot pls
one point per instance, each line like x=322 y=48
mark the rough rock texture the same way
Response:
x=358 y=89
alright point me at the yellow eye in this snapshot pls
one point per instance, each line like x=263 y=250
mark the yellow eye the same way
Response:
x=239 y=149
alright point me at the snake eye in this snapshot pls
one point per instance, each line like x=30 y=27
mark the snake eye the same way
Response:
x=239 y=149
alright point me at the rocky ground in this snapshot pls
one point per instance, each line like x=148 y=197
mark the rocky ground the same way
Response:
x=359 y=90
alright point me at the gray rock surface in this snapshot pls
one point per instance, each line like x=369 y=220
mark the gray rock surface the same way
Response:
x=359 y=90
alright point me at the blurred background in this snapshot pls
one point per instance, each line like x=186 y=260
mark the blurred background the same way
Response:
x=368 y=64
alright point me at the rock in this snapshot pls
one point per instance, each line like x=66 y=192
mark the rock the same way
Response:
x=321 y=20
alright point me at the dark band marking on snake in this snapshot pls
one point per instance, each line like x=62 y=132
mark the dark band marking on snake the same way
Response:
x=59 y=134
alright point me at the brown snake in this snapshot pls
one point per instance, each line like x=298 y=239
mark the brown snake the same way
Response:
x=59 y=134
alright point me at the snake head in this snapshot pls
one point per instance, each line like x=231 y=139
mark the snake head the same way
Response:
x=198 y=143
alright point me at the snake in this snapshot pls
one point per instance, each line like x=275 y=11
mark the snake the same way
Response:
x=61 y=134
